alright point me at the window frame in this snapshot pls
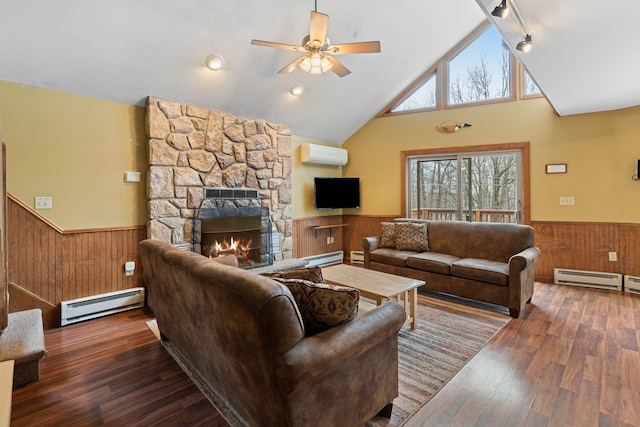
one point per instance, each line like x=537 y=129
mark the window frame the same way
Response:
x=459 y=48
x=523 y=147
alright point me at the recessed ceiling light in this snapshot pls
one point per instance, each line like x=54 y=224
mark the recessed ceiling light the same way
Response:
x=214 y=61
x=297 y=89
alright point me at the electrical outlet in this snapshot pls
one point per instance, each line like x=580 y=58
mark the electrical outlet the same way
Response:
x=567 y=200
x=613 y=256
x=328 y=240
x=43 y=203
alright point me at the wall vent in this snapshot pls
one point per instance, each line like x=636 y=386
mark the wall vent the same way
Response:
x=632 y=284
x=323 y=260
x=80 y=309
x=591 y=279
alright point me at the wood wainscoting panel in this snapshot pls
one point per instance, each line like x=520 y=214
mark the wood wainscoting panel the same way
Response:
x=361 y=226
x=58 y=265
x=586 y=246
x=307 y=241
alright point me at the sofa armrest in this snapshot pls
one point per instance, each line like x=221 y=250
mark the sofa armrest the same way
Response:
x=370 y=244
x=317 y=355
x=520 y=261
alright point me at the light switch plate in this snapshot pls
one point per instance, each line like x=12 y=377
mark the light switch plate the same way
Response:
x=43 y=202
x=132 y=177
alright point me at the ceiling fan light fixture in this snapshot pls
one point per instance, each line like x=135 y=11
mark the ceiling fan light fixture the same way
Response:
x=316 y=63
x=502 y=10
x=214 y=61
x=526 y=44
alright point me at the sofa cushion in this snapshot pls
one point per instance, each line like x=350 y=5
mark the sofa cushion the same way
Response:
x=388 y=235
x=322 y=306
x=432 y=262
x=312 y=274
x=412 y=237
x=482 y=270
x=391 y=256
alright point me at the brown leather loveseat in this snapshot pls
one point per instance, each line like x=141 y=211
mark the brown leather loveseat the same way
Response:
x=244 y=335
x=490 y=262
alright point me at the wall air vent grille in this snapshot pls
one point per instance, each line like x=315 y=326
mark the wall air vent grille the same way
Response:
x=230 y=193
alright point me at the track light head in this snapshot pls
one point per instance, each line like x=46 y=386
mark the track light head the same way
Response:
x=526 y=44
x=502 y=10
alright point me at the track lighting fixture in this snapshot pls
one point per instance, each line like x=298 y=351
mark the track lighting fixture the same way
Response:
x=502 y=10
x=526 y=44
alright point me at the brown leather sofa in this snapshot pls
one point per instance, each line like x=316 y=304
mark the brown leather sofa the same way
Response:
x=490 y=262
x=244 y=335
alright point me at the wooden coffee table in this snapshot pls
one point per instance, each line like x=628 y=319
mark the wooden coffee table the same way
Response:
x=378 y=286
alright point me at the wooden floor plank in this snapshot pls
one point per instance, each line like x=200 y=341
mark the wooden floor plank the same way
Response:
x=572 y=359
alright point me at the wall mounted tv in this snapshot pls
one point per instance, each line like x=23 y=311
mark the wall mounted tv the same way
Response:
x=336 y=193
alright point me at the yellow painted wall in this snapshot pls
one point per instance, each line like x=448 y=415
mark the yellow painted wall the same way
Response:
x=600 y=149
x=76 y=150
x=302 y=180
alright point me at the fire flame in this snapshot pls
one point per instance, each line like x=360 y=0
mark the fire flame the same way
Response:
x=233 y=247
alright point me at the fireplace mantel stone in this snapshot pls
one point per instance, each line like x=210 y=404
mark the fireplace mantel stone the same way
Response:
x=191 y=148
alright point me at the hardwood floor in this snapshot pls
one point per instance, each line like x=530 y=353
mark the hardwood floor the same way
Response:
x=572 y=359
x=110 y=371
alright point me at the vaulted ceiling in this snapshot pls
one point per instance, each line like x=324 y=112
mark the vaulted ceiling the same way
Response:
x=584 y=57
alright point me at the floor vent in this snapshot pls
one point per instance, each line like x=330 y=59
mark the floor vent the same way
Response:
x=323 y=260
x=632 y=284
x=80 y=309
x=591 y=279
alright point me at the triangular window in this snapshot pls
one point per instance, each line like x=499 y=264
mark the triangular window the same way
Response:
x=480 y=71
x=423 y=98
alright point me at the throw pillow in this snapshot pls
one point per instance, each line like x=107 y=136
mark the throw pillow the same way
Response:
x=412 y=237
x=388 y=237
x=322 y=306
x=312 y=274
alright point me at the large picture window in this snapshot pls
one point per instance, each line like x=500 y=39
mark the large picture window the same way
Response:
x=482 y=184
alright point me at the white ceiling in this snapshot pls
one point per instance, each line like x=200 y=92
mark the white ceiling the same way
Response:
x=584 y=57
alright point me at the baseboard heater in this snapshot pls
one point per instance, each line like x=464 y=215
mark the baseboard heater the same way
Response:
x=632 y=284
x=80 y=309
x=591 y=279
x=323 y=260
x=357 y=257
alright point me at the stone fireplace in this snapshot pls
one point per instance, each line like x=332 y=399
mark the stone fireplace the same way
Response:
x=214 y=176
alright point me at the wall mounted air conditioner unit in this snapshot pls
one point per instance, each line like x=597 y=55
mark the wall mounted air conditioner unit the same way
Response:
x=80 y=309
x=313 y=153
x=632 y=284
x=591 y=279
x=323 y=260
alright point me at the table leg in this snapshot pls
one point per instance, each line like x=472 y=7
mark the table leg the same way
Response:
x=414 y=307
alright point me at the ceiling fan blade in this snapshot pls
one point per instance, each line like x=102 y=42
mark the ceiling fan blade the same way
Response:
x=318 y=26
x=360 y=47
x=338 y=68
x=289 y=68
x=276 y=45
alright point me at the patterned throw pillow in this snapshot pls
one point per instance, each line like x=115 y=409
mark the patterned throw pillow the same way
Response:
x=312 y=274
x=388 y=237
x=322 y=306
x=412 y=237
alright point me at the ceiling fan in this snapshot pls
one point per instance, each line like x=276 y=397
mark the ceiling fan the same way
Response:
x=319 y=51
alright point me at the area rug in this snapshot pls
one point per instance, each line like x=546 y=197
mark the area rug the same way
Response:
x=448 y=335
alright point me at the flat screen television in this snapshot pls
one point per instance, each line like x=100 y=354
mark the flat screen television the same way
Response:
x=336 y=193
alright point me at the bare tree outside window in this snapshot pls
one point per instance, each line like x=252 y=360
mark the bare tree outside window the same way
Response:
x=481 y=72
